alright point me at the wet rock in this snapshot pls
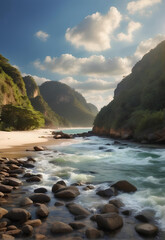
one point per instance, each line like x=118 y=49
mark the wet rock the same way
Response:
x=4 y=219
x=17 y=171
x=28 y=165
x=30 y=159
x=142 y=218
x=40 y=198
x=40 y=190
x=40 y=236
x=14 y=232
x=77 y=225
x=57 y=187
x=3 y=224
x=124 y=186
x=77 y=209
x=18 y=214
x=93 y=233
x=88 y=187
x=117 y=203
x=13 y=166
x=146 y=215
x=1 y=195
x=12 y=181
x=109 y=208
x=34 y=223
x=93 y=218
x=12 y=227
x=68 y=193
x=58 y=204
x=33 y=179
x=146 y=229
x=38 y=148
x=7 y=237
x=109 y=221
x=5 y=188
x=42 y=211
x=79 y=217
x=109 y=192
x=3 y=212
x=26 y=201
x=126 y=212
x=60 y=227
x=27 y=229
x=61 y=182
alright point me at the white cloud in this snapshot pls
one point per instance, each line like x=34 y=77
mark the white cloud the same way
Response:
x=132 y=27
x=140 y=6
x=93 y=66
x=38 y=80
x=94 y=33
x=43 y=36
x=146 y=45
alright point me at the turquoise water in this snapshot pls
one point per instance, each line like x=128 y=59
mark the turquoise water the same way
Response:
x=101 y=161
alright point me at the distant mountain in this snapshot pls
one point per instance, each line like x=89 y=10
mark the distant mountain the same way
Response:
x=14 y=102
x=68 y=103
x=138 y=108
x=39 y=104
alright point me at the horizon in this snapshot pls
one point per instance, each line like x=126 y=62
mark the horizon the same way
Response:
x=87 y=45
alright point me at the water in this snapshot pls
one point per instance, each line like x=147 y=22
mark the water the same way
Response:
x=102 y=161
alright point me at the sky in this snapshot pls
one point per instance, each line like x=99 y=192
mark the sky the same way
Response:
x=89 y=45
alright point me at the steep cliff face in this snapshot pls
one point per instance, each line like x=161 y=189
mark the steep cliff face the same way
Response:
x=139 y=101
x=68 y=103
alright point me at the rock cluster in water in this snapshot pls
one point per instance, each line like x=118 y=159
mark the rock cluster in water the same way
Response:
x=18 y=221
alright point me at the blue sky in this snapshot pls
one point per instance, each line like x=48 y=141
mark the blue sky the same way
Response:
x=88 y=44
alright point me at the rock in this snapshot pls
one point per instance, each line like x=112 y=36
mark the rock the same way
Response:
x=38 y=148
x=27 y=229
x=12 y=181
x=109 y=208
x=79 y=217
x=12 y=227
x=42 y=211
x=117 y=203
x=142 y=218
x=40 y=190
x=61 y=182
x=3 y=224
x=93 y=233
x=126 y=212
x=109 y=221
x=34 y=223
x=77 y=225
x=5 y=189
x=17 y=171
x=33 y=179
x=7 y=237
x=93 y=218
x=124 y=186
x=40 y=236
x=30 y=159
x=1 y=195
x=60 y=227
x=26 y=201
x=40 y=198
x=58 y=204
x=77 y=209
x=13 y=166
x=57 y=187
x=146 y=215
x=68 y=193
x=18 y=214
x=14 y=232
x=109 y=192
x=88 y=187
x=146 y=229
x=28 y=165
x=4 y=219
x=3 y=212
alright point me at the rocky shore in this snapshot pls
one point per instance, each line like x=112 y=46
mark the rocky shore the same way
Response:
x=54 y=214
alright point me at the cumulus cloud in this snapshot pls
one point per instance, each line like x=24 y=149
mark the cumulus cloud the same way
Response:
x=146 y=45
x=93 y=66
x=43 y=36
x=132 y=27
x=94 y=33
x=140 y=6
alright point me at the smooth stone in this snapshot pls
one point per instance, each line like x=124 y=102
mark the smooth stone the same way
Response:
x=26 y=201
x=146 y=229
x=18 y=214
x=28 y=165
x=77 y=209
x=40 y=198
x=34 y=223
x=61 y=182
x=88 y=187
x=79 y=217
x=40 y=236
x=117 y=203
x=12 y=227
x=40 y=190
x=67 y=193
x=60 y=227
x=17 y=171
x=33 y=179
x=27 y=229
x=5 y=188
x=109 y=208
x=1 y=195
x=42 y=211
x=58 y=204
x=3 y=212
x=124 y=186
x=7 y=237
x=77 y=225
x=38 y=148
x=109 y=192
x=126 y=212
x=14 y=232
x=57 y=187
x=3 y=224
x=93 y=233
x=109 y=221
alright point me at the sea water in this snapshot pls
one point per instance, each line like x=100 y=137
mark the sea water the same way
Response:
x=102 y=161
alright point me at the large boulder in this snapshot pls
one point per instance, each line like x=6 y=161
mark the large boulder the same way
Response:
x=67 y=192
x=3 y=212
x=40 y=198
x=42 y=211
x=5 y=188
x=146 y=229
x=12 y=181
x=109 y=221
x=18 y=214
x=124 y=186
x=60 y=227
x=77 y=209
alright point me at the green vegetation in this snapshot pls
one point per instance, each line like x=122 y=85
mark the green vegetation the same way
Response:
x=68 y=103
x=138 y=103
